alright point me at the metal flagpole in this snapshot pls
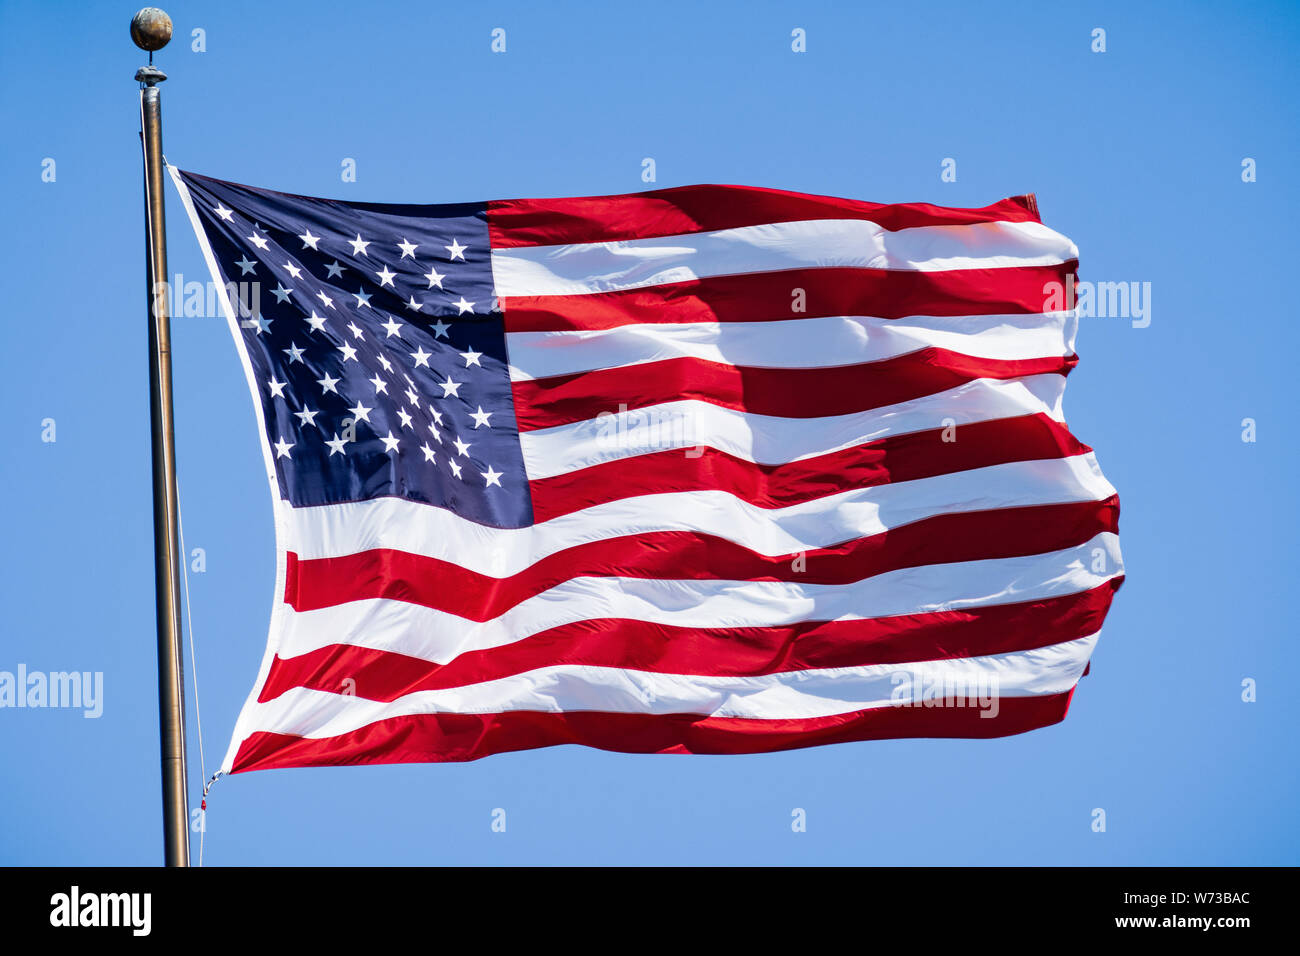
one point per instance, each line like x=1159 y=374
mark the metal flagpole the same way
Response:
x=151 y=29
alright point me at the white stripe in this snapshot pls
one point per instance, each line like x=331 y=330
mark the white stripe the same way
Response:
x=582 y=268
x=791 y=343
x=422 y=632
x=326 y=531
x=769 y=440
x=569 y=688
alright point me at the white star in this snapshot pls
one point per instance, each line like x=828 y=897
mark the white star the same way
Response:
x=327 y=384
x=454 y=467
x=450 y=388
x=277 y=388
x=480 y=417
x=334 y=269
x=405 y=416
x=329 y=303
x=421 y=357
x=464 y=306
x=457 y=250
x=390 y=443
x=437 y=415
x=336 y=446
x=348 y=352
x=282 y=449
x=414 y=306
x=280 y=292
x=259 y=324
x=440 y=328
x=413 y=398
x=472 y=358
x=363 y=298
x=223 y=212
x=380 y=385
x=383 y=360
x=437 y=435
x=307 y=416
x=408 y=248
x=428 y=452
x=493 y=477
x=257 y=241
x=435 y=279
x=393 y=327
x=461 y=447
x=294 y=353
x=361 y=413
x=308 y=240
x=293 y=270
x=245 y=267
x=356 y=332
x=358 y=246
x=385 y=277
x=316 y=322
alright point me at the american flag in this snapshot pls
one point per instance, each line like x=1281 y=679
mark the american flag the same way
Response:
x=712 y=469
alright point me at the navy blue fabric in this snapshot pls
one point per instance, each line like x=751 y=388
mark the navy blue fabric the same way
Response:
x=421 y=383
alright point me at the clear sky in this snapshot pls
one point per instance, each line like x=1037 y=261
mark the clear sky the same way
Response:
x=1135 y=153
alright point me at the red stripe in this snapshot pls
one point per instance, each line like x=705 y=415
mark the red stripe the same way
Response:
x=382 y=573
x=687 y=209
x=441 y=738
x=718 y=652
x=783 y=392
x=768 y=296
x=897 y=458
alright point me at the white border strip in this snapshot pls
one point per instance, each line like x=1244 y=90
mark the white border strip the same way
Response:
x=279 y=610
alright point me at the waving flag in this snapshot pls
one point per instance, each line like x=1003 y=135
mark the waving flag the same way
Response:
x=703 y=470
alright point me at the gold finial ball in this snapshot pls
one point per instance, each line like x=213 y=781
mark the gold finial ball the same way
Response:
x=151 y=29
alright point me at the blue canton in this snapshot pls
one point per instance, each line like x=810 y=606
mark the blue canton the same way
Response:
x=377 y=346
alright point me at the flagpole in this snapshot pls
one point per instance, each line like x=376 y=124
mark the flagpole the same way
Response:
x=151 y=28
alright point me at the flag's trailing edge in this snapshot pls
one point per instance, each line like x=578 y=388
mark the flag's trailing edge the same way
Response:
x=714 y=469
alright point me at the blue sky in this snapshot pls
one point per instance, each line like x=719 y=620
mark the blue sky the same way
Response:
x=1135 y=153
